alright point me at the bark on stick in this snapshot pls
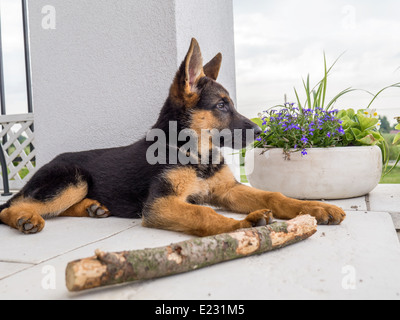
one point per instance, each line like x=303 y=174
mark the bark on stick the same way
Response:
x=108 y=268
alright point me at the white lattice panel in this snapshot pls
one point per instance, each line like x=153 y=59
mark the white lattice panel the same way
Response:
x=17 y=141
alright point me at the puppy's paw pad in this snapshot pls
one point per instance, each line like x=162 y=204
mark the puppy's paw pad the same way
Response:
x=98 y=211
x=30 y=225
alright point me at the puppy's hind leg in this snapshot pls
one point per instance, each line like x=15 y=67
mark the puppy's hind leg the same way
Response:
x=87 y=208
x=50 y=192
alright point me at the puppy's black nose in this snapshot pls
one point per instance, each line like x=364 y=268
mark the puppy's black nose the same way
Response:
x=257 y=131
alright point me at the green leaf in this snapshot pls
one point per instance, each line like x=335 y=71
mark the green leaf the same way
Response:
x=367 y=123
x=348 y=123
x=345 y=91
x=357 y=133
x=377 y=136
x=395 y=165
x=396 y=139
x=317 y=98
x=308 y=92
x=368 y=140
x=342 y=114
x=361 y=112
x=298 y=99
x=385 y=153
x=325 y=81
x=258 y=122
x=349 y=136
x=351 y=113
x=258 y=144
x=396 y=85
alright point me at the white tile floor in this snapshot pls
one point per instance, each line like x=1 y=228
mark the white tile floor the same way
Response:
x=359 y=259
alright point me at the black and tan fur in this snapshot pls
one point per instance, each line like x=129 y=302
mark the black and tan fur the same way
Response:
x=120 y=181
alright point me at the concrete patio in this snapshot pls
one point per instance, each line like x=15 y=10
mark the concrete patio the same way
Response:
x=359 y=259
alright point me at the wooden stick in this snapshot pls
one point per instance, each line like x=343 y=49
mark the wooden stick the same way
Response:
x=107 y=268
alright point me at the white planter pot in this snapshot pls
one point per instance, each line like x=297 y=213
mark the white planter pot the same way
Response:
x=325 y=173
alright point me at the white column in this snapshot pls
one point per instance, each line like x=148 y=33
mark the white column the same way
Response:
x=101 y=69
x=211 y=23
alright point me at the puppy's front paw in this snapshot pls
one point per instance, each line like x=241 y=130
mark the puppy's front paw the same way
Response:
x=259 y=218
x=326 y=214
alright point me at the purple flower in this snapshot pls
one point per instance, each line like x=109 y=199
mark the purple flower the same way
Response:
x=304 y=140
x=329 y=135
x=340 y=130
x=294 y=126
x=304 y=152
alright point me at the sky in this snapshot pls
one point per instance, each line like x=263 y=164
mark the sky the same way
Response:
x=13 y=56
x=278 y=43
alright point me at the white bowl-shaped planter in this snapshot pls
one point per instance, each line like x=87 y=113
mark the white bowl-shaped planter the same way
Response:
x=325 y=173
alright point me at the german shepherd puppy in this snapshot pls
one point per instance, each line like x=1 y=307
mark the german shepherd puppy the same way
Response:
x=122 y=183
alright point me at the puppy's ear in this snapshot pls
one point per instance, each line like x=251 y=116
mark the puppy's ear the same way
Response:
x=184 y=90
x=193 y=66
x=212 y=68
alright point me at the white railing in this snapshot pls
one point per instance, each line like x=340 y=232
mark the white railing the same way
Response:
x=17 y=140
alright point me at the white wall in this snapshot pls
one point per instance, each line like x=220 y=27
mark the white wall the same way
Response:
x=100 y=78
x=211 y=23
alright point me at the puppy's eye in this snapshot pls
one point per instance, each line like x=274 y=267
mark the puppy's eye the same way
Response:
x=222 y=106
